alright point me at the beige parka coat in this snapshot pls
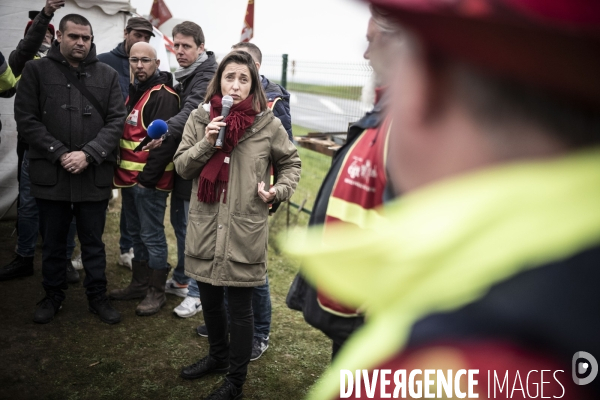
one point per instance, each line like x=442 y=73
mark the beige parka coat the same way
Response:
x=226 y=243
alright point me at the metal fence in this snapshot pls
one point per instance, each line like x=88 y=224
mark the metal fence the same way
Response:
x=325 y=97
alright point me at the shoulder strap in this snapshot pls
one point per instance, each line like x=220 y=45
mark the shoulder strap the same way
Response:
x=272 y=105
x=82 y=89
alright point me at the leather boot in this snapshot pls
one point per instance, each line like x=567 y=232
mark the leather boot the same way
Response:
x=155 y=298
x=20 y=266
x=140 y=279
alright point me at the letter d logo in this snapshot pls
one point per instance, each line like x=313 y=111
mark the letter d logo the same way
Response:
x=585 y=368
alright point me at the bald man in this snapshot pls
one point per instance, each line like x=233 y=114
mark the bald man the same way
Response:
x=146 y=178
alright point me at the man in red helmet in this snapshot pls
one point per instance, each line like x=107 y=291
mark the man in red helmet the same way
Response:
x=486 y=267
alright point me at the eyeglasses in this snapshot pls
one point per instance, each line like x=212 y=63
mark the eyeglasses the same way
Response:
x=145 y=60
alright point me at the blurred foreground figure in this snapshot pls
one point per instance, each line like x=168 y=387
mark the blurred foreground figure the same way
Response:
x=489 y=261
x=353 y=188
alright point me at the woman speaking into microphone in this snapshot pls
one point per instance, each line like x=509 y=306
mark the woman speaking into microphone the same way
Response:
x=227 y=231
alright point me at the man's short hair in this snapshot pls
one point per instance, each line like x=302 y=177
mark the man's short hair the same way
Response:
x=251 y=48
x=189 y=28
x=76 y=19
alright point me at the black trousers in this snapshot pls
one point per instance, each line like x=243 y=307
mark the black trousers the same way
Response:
x=239 y=348
x=55 y=219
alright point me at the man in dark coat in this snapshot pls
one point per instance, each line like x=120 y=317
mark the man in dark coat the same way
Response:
x=39 y=34
x=196 y=68
x=73 y=134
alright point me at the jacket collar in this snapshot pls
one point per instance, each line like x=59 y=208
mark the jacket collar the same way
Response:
x=119 y=51
x=209 y=64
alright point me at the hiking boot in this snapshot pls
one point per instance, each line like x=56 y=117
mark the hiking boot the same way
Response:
x=259 y=346
x=101 y=305
x=72 y=274
x=126 y=259
x=46 y=309
x=227 y=391
x=19 y=266
x=155 y=297
x=205 y=366
x=140 y=279
x=173 y=287
x=202 y=331
x=189 y=307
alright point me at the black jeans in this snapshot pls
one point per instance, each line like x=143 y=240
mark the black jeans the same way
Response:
x=239 y=349
x=55 y=219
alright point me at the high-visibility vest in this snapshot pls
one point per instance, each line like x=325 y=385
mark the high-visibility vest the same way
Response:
x=357 y=192
x=131 y=164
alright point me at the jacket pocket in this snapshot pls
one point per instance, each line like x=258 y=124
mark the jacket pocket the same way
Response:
x=201 y=235
x=103 y=174
x=42 y=172
x=248 y=239
x=261 y=169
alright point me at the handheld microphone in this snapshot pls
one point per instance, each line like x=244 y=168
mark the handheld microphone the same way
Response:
x=227 y=102
x=157 y=129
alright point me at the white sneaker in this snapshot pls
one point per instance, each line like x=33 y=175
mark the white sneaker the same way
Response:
x=175 y=288
x=125 y=259
x=189 y=307
x=77 y=263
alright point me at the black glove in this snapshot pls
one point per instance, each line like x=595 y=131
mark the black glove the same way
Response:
x=1 y=58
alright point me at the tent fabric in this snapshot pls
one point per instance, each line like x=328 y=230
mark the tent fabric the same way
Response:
x=110 y=7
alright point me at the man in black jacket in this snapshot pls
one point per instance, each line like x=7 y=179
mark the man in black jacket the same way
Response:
x=69 y=109
x=39 y=34
x=137 y=30
x=145 y=192
x=196 y=68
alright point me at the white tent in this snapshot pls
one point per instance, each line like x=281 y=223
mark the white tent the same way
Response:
x=108 y=19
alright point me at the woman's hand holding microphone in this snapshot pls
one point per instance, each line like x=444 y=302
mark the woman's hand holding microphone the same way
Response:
x=212 y=129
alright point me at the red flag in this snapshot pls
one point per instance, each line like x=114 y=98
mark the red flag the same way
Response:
x=159 y=13
x=248 y=29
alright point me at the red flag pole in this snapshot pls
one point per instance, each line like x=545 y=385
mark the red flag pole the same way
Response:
x=248 y=29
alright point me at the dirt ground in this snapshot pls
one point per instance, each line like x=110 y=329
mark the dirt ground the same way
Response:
x=78 y=357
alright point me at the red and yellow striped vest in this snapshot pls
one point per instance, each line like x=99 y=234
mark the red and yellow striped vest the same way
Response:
x=357 y=191
x=131 y=164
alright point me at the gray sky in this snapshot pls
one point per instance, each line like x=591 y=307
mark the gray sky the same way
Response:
x=308 y=30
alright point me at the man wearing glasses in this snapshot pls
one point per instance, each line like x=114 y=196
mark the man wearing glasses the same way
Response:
x=137 y=30
x=146 y=178
x=69 y=109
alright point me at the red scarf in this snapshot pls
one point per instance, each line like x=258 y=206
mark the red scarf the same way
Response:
x=215 y=174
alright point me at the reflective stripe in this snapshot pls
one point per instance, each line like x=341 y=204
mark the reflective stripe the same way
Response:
x=353 y=213
x=129 y=144
x=136 y=166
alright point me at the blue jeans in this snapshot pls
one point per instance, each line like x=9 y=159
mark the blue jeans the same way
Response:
x=179 y=216
x=261 y=306
x=28 y=221
x=145 y=212
x=125 y=242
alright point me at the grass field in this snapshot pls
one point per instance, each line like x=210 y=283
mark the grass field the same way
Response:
x=78 y=357
x=343 y=92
